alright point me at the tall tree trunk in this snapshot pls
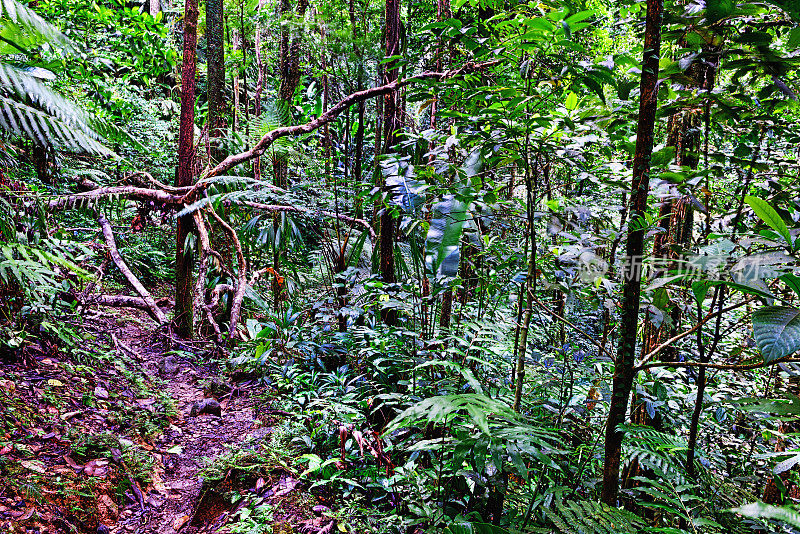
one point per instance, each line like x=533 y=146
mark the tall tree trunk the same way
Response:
x=216 y=78
x=290 y=44
x=526 y=295
x=640 y=188
x=260 y=68
x=359 y=140
x=185 y=172
x=391 y=128
x=236 y=86
x=154 y=7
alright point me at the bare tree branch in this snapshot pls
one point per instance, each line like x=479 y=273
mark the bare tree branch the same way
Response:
x=241 y=284
x=359 y=96
x=108 y=234
x=131 y=192
x=309 y=211
x=119 y=301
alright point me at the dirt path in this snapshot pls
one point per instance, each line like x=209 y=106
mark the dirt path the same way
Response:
x=76 y=455
x=189 y=444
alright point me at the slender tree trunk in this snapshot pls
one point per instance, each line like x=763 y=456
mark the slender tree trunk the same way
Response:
x=447 y=308
x=216 y=78
x=154 y=7
x=391 y=128
x=236 y=85
x=290 y=44
x=359 y=140
x=640 y=187
x=260 y=68
x=531 y=182
x=185 y=172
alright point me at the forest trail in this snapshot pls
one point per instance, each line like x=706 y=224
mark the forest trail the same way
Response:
x=143 y=438
x=178 y=502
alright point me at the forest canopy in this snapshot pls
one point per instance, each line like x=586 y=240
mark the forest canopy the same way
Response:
x=422 y=266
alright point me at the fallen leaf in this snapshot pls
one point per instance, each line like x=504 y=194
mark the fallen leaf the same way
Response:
x=23 y=515
x=8 y=385
x=179 y=522
x=101 y=393
x=5 y=450
x=34 y=465
x=72 y=463
x=177 y=449
x=96 y=468
x=69 y=415
x=55 y=382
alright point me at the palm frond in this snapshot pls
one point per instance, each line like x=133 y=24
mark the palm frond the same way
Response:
x=26 y=87
x=25 y=26
x=26 y=121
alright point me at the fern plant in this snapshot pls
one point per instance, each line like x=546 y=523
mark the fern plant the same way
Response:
x=589 y=517
x=28 y=107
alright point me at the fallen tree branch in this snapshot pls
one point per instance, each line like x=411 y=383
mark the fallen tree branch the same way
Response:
x=309 y=211
x=328 y=116
x=723 y=366
x=122 y=301
x=148 y=178
x=108 y=234
x=129 y=191
x=199 y=301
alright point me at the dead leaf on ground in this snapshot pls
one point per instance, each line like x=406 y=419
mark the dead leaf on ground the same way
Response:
x=96 y=468
x=72 y=463
x=34 y=465
x=179 y=522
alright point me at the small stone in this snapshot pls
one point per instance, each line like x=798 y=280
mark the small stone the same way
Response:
x=168 y=366
x=206 y=406
x=321 y=509
x=101 y=393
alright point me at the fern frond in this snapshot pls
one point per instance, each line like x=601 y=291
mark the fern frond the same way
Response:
x=25 y=121
x=656 y=450
x=759 y=510
x=589 y=517
x=25 y=88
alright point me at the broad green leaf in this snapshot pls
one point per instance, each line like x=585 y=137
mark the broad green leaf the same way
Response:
x=572 y=101
x=776 y=330
x=792 y=281
x=768 y=214
x=759 y=510
x=443 y=242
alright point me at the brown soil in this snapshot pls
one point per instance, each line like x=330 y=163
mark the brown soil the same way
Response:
x=121 y=481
